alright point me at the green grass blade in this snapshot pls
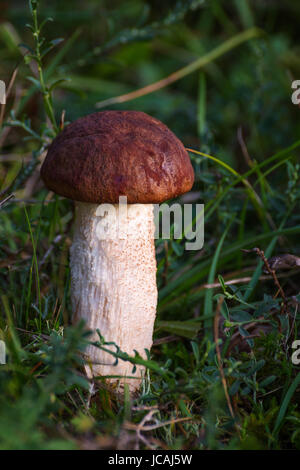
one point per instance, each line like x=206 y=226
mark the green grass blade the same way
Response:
x=285 y=403
x=35 y=261
x=208 y=299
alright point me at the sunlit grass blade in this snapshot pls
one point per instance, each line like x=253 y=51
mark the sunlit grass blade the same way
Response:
x=251 y=192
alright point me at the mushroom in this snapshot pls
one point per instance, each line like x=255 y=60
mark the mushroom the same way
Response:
x=94 y=161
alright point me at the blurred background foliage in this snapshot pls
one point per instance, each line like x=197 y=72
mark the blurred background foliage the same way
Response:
x=236 y=109
x=117 y=47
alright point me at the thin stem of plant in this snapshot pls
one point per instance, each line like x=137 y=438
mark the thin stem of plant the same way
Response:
x=219 y=357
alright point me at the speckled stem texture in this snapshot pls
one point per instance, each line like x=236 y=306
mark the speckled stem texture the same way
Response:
x=113 y=281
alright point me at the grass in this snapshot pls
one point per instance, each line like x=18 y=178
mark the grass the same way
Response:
x=220 y=374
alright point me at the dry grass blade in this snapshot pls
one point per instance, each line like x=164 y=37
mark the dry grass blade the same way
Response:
x=271 y=271
x=6 y=199
x=192 y=67
x=243 y=146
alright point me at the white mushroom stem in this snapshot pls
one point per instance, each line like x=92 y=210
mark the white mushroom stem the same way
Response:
x=113 y=281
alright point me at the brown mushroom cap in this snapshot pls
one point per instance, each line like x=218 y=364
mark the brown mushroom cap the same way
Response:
x=109 y=154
